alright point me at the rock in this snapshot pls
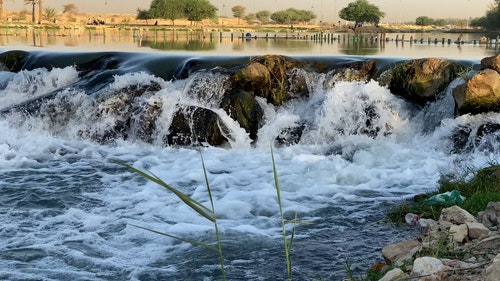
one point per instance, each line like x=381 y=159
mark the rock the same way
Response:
x=400 y=252
x=480 y=94
x=456 y=215
x=459 y=232
x=426 y=266
x=195 y=125
x=243 y=108
x=490 y=216
x=477 y=230
x=12 y=61
x=492 y=272
x=492 y=62
x=395 y=274
x=425 y=226
x=355 y=71
x=486 y=244
x=267 y=77
x=422 y=80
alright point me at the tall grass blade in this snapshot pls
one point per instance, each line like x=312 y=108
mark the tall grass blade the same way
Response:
x=278 y=193
x=217 y=235
x=196 y=243
x=192 y=203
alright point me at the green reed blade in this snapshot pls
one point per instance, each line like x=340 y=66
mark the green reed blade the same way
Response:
x=196 y=243
x=192 y=203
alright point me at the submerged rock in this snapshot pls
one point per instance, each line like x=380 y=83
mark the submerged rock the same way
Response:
x=12 y=61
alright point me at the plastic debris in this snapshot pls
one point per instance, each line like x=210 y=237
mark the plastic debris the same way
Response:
x=448 y=199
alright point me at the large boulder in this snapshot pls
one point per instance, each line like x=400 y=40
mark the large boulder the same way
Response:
x=455 y=215
x=492 y=62
x=421 y=80
x=267 y=77
x=480 y=94
x=195 y=125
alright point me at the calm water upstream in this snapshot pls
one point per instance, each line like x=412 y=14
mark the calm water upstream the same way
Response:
x=236 y=43
x=67 y=211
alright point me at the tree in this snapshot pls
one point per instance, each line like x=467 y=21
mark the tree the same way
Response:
x=423 y=21
x=250 y=18
x=492 y=18
x=143 y=15
x=33 y=4
x=263 y=16
x=49 y=14
x=198 y=10
x=292 y=15
x=361 y=11
x=167 y=9
x=69 y=9
x=238 y=12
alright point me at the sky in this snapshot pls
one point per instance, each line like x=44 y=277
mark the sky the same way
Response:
x=327 y=10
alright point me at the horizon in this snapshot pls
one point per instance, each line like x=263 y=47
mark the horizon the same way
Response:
x=396 y=11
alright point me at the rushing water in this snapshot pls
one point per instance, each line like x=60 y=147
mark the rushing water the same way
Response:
x=67 y=211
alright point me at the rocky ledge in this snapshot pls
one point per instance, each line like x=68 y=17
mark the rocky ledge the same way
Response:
x=458 y=247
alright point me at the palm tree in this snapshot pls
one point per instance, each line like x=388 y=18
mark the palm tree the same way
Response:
x=33 y=3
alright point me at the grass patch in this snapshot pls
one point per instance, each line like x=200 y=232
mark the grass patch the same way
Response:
x=483 y=187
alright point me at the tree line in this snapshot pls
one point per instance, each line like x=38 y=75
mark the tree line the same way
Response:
x=197 y=10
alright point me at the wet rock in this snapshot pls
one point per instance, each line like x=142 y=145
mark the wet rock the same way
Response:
x=112 y=115
x=12 y=61
x=242 y=107
x=290 y=136
x=422 y=80
x=477 y=230
x=492 y=62
x=354 y=71
x=398 y=253
x=480 y=94
x=491 y=216
x=267 y=77
x=195 y=125
x=492 y=272
x=456 y=215
x=460 y=138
